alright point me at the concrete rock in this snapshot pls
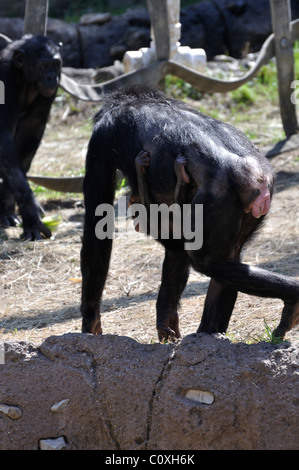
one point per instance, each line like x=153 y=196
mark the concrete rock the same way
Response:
x=253 y=388
x=113 y=393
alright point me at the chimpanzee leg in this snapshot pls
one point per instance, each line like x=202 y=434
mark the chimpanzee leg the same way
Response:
x=176 y=264
x=29 y=136
x=289 y=319
x=95 y=257
x=219 y=304
x=175 y=274
x=99 y=184
x=255 y=281
x=141 y=162
x=236 y=276
x=220 y=299
x=182 y=179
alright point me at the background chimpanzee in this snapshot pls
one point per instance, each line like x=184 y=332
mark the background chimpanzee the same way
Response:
x=184 y=155
x=30 y=70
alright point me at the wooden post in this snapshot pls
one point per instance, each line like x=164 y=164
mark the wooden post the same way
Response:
x=281 y=24
x=36 y=16
x=159 y=27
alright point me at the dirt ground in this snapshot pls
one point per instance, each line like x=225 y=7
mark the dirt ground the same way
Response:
x=41 y=281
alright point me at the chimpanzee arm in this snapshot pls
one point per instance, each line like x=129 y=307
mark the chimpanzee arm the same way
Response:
x=141 y=162
x=14 y=176
x=31 y=129
x=175 y=274
x=182 y=179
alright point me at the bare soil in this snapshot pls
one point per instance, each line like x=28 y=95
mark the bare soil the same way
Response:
x=41 y=281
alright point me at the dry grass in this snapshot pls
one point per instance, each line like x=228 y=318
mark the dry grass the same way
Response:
x=40 y=282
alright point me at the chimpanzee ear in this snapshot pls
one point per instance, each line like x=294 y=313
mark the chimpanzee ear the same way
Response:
x=18 y=58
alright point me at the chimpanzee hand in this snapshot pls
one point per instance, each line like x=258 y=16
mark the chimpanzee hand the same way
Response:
x=9 y=220
x=36 y=232
x=142 y=161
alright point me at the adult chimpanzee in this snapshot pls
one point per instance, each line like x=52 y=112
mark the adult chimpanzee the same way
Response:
x=30 y=70
x=184 y=155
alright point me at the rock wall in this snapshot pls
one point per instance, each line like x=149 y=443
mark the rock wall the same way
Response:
x=80 y=391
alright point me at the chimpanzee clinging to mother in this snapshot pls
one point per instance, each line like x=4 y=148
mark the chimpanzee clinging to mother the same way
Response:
x=30 y=70
x=170 y=152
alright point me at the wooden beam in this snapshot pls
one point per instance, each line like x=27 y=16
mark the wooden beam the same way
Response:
x=159 y=22
x=281 y=24
x=152 y=74
x=36 y=17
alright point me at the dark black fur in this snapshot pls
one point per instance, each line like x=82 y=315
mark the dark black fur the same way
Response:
x=30 y=70
x=221 y=179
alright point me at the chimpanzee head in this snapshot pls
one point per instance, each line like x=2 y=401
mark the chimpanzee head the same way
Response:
x=39 y=59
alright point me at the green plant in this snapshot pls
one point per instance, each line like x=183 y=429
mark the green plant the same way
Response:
x=244 y=96
x=177 y=88
x=48 y=194
x=266 y=336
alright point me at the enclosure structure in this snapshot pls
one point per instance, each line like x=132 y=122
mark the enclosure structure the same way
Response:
x=170 y=58
x=165 y=56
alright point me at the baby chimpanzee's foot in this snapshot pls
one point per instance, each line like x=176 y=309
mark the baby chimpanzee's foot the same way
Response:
x=289 y=318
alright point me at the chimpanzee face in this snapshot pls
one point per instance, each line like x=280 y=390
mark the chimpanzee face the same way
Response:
x=48 y=75
x=40 y=61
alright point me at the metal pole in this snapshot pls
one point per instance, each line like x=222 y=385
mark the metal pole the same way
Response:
x=281 y=24
x=36 y=16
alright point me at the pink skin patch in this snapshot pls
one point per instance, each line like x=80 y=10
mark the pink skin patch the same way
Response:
x=261 y=205
x=256 y=180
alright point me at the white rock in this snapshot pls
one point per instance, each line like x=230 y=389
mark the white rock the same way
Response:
x=60 y=405
x=52 y=444
x=12 y=412
x=200 y=396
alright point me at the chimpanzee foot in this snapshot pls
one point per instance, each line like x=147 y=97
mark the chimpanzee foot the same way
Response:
x=9 y=220
x=97 y=329
x=289 y=319
x=168 y=329
x=167 y=334
x=92 y=326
